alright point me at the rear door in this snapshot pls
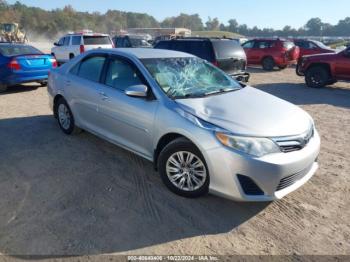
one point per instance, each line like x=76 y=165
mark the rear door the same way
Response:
x=126 y=120
x=96 y=41
x=82 y=86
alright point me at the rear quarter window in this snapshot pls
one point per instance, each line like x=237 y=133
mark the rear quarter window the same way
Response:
x=76 y=40
x=96 y=40
x=288 y=44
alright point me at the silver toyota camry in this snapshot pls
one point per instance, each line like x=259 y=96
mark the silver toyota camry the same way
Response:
x=203 y=130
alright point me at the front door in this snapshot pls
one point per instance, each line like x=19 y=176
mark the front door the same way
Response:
x=128 y=121
x=342 y=65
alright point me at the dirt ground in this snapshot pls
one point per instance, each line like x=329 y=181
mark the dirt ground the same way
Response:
x=79 y=195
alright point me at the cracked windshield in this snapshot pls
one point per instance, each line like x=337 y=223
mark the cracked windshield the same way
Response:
x=189 y=77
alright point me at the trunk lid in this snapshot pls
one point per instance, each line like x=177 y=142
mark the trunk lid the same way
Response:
x=34 y=62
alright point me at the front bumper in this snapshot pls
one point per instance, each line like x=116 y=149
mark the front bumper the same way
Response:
x=267 y=172
x=241 y=77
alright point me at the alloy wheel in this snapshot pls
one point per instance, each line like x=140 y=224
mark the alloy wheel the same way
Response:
x=186 y=171
x=64 y=116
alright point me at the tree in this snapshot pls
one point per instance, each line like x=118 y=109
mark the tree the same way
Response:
x=193 y=22
x=232 y=25
x=212 y=24
x=314 y=27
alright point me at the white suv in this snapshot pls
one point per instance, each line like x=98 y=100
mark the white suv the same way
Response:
x=72 y=45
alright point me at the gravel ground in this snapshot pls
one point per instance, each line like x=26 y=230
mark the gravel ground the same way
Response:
x=79 y=195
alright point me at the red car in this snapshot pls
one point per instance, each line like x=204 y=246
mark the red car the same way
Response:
x=325 y=69
x=271 y=52
x=311 y=47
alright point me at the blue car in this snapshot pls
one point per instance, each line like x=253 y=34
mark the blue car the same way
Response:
x=23 y=63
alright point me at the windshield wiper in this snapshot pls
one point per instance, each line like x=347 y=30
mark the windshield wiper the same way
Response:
x=222 y=90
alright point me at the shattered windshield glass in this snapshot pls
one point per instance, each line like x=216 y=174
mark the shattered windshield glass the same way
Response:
x=188 y=77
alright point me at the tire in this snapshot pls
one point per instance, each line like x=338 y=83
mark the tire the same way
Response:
x=282 y=67
x=190 y=179
x=317 y=77
x=43 y=83
x=65 y=118
x=3 y=88
x=268 y=63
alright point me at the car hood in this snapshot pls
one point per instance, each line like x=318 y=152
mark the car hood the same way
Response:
x=249 y=112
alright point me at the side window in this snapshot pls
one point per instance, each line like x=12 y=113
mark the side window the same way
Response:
x=202 y=49
x=312 y=45
x=249 y=44
x=76 y=40
x=120 y=75
x=61 y=41
x=127 y=42
x=66 y=40
x=91 y=68
x=119 y=42
x=74 y=70
x=263 y=44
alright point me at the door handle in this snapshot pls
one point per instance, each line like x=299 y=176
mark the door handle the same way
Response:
x=103 y=95
x=68 y=83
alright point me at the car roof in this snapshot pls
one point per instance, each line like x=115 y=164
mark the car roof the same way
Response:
x=144 y=53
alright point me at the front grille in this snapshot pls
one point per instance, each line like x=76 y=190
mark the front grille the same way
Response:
x=290 y=180
x=249 y=187
x=294 y=143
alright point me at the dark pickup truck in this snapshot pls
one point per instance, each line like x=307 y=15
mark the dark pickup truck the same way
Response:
x=325 y=69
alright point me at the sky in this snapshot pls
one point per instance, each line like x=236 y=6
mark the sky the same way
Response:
x=270 y=13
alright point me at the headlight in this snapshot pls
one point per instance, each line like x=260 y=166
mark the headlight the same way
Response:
x=251 y=145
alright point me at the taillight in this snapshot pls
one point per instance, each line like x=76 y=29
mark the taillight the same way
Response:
x=215 y=63
x=82 y=49
x=53 y=62
x=14 y=65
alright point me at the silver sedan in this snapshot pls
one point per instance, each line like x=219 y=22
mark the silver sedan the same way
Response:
x=203 y=130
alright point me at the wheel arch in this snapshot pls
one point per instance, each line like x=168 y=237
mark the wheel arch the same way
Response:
x=163 y=142
x=320 y=64
x=267 y=56
x=55 y=100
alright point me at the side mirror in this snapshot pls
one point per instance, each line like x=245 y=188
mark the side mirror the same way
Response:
x=136 y=91
x=56 y=44
x=347 y=53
